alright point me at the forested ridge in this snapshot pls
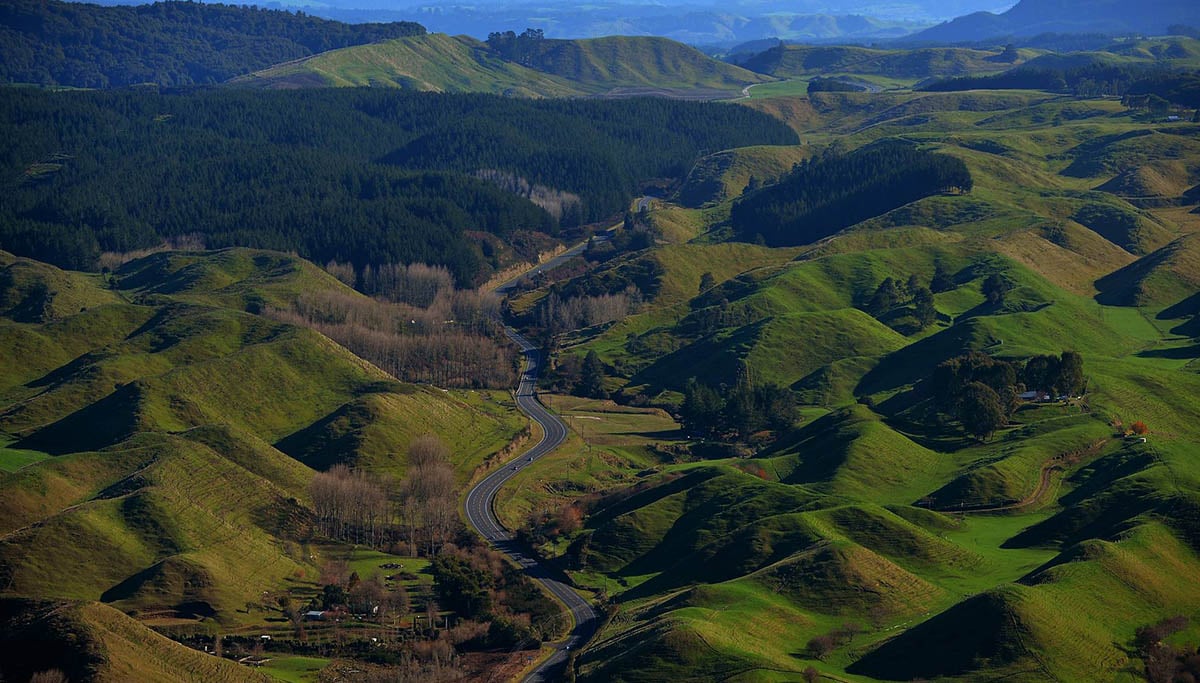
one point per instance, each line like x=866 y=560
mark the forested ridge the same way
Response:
x=821 y=196
x=167 y=43
x=1181 y=87
x=359 y=176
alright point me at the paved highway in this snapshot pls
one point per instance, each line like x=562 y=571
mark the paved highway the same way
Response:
x=480 y=514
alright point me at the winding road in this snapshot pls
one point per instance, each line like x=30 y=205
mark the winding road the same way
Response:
x=481 y=515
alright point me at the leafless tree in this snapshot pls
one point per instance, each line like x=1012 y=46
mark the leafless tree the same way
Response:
x=428 y=502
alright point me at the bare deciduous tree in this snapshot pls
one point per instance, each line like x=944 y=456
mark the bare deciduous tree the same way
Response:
x=428 y=503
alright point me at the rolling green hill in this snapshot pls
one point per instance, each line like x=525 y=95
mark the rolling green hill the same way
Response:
x=875 y=531
x=178 y=432
x=434 y=62
x=92 y=641
x=793 y=61
x=724 y=175
x=157 y=435
x=559 y=68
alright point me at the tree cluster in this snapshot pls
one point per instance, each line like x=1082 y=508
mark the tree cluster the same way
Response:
x=348 y=505
x=823 y=195
x=982 y=392
x=736 y=413
x=556 y=315
x=428 y=502
x=455 y=342
x=1182 y=88
x=48 y=42
x=517 y=48
x=995 y=287
x=546 y=525
x=311 y=171
x=422 y=512
x=1163 y=662
x=900 y=304
x=820 y=647
x=479 y=584
x=415 y=284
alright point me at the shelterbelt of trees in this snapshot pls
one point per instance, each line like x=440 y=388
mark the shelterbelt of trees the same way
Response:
x=166 y=43
x=354 y=176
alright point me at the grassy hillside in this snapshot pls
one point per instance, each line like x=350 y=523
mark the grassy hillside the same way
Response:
x=724 y=175
x=559 y=68
x=167 y=437
x=92 y=641
x=797 y=61
x=434 y=62
x=637 y=62
x=875 y=532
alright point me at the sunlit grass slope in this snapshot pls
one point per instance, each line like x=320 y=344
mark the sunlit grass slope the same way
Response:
x=91 y=641
x=556 y=68
x=1056 y=538
x=169 y=435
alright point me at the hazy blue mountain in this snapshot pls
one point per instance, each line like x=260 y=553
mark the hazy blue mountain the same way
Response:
x=698 y=22
x=1034 y=17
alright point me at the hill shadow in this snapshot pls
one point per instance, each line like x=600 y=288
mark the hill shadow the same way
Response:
x=100 y=424
x=916 y=361
x=1175 y=353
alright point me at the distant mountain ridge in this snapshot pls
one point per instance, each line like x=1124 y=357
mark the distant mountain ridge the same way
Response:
x=1034 y=17
x=695 y=22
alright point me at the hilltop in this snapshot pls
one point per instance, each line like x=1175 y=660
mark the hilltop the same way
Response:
x=791 y=61
x=542 y=68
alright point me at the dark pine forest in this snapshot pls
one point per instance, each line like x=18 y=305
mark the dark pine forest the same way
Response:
x=359 y=176
x=822 y=196
x=167 y=43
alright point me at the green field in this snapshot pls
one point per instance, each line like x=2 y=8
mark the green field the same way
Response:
x=13 y=459
x=294 y=669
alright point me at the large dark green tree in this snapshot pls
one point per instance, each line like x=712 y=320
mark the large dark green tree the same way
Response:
x=1070 y=379
x=701 y=409
x=995 y=287
x=885 y=298
x=923 y=308
x=591 y=381
x=981 y=410
x=460 y=586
